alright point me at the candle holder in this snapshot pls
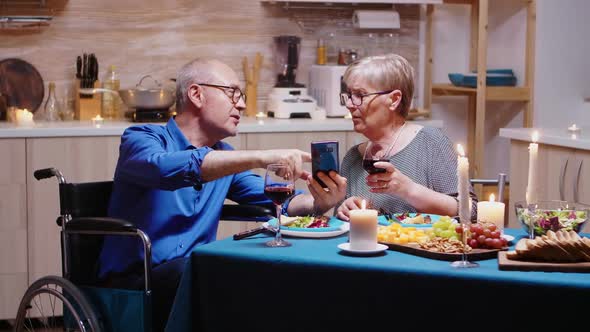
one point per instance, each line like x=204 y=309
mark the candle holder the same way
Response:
x=464 y=263
x=97 y=121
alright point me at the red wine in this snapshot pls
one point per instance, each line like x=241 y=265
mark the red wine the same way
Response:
x=278 y=195
x=368 y=165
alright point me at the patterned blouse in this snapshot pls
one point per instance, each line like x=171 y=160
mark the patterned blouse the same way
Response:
x=429 y=159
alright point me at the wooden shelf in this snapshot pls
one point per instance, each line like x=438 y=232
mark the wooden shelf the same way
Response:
x=418 y=112
x=493 y=93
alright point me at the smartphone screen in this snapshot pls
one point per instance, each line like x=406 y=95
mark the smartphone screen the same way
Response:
x=324 y=158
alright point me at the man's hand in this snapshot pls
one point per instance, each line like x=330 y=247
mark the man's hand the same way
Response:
x=292 y=157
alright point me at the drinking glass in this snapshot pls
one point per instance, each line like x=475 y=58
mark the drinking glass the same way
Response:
x=279 y=185
x=375 y=152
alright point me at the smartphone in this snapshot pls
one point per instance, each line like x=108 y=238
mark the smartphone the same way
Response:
x=324 y=158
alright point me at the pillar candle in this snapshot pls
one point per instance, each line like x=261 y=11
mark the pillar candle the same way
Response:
x=24 y=118
x=491 y=211
x=463 y=185
x=531 y=190
x=363 y=228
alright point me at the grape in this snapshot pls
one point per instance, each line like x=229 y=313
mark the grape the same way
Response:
x=492 y=227
x=459 y=229
x=473 y=243
x=495 y=234
x=497 y=243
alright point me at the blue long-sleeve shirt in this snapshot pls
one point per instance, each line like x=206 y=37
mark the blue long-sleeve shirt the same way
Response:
x=158 y=186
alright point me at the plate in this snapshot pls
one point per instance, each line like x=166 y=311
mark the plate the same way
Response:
x=312 y=232
x=382 y=220
x=378 y=248
x=22 y=84
x=508 y=238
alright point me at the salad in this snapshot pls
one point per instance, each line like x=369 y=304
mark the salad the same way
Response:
x=406 y=218
x=310 y=222
x=544 y=220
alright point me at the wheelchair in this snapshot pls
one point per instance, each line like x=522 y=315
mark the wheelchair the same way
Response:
x=75 y=301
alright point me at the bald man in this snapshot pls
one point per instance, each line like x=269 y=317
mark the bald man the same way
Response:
x=172 y=180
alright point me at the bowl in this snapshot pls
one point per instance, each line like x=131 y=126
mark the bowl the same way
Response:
x=552 y=215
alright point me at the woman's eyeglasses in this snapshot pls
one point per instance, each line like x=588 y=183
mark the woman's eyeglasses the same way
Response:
x=234 y=93
x=347 y=98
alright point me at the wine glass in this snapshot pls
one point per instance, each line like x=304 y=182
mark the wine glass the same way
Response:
x=375 y=152
x=279 y=185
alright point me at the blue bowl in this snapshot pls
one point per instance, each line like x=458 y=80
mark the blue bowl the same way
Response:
x=494 y=77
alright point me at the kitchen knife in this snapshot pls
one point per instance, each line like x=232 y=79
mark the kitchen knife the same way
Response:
x=250 y=232
x=85 y=70
x=79 y=67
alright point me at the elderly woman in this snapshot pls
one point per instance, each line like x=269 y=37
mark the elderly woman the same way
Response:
x=418 y=167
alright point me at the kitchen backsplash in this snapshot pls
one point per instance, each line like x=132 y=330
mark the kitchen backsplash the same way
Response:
x=157 y=36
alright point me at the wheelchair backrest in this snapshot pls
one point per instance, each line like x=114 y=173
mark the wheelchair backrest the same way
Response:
x=90 y=199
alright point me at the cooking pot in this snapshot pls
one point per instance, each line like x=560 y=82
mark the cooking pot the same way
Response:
x=142 y=97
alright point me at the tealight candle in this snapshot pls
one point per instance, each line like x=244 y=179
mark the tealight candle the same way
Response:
x=260 y=115
x=531 y=189
x=491 y=211
x=97 y=121
x=363 y=228
x=573 y=128
x=24 y=118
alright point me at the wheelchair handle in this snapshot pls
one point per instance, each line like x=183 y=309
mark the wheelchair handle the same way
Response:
x=47 y=173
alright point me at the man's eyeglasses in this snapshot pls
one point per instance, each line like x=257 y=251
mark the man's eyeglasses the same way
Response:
x=357 y=99
x=234 y=93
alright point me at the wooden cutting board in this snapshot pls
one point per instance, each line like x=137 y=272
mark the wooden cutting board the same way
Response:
x=414 y=249
x=21 y=84
x=506 y=264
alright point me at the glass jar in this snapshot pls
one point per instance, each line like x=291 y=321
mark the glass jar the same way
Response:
x=68 y=106
x=51 y=109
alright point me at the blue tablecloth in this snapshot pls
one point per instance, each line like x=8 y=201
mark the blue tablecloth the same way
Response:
x=244 y=285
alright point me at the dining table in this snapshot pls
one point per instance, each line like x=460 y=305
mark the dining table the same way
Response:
x=312 y=285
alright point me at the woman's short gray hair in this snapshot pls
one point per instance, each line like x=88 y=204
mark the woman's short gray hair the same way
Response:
x=198 y=70
x=385 y=72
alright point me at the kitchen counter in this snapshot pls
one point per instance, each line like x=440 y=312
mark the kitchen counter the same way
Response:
x=247 y=125
x=551 y=136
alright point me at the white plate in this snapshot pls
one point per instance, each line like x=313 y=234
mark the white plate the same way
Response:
x=378 y=248
x=508 y=238
x=343 y=229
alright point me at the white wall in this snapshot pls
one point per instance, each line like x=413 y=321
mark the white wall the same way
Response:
x=562 y=77
x=506 y=42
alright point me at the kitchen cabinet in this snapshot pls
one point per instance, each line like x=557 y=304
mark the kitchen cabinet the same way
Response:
x=13 y=226
x=563 y=174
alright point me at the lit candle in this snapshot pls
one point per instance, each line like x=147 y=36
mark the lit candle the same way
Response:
x=531 y=189
x=463 y=185
x=573 y=129
x=363 y=228
x=260 y=115
x=97 y=121
x=491 y=211
x=24 y=118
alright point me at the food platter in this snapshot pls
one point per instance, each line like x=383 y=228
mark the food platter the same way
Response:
x=383 y=220
x=415 y=249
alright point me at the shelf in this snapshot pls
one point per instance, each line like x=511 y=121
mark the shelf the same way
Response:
x=418 y=113
x=493 y=93
x=359 y=2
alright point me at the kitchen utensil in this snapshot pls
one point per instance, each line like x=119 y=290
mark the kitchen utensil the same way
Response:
x=79 y=67
x=142 y=97
x=21 y=84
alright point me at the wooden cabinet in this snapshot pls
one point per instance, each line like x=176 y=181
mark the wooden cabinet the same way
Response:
x=13 y=226
x=563 y=174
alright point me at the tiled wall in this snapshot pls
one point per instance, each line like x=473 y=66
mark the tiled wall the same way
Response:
x=157 y=36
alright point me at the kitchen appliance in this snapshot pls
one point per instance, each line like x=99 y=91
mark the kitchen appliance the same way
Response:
x=325 y=85
x=288 y=99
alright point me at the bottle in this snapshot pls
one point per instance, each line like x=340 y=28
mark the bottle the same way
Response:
x=51 y=105
x=322 y=52
x=110 y=106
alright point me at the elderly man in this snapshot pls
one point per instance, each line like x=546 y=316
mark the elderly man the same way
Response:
x=172 y=180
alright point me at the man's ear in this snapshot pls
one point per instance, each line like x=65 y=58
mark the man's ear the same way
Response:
x=195 y=95
x=394 y=98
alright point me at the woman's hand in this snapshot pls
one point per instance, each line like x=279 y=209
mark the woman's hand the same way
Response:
x=351 y=203
x=327 y=198
x=392 y=181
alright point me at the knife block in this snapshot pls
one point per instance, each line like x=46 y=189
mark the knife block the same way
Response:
x=87 y=108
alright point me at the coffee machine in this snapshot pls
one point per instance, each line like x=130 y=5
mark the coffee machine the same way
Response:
x=288 y=99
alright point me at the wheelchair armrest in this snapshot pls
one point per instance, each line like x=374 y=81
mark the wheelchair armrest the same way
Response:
x=101 y=224
x=239 y=212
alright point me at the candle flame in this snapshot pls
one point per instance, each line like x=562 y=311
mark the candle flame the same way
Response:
x=574 y=127
x=363 y=204
x=460 y=150
x=535 y=136
x=492 y=198
x=97 y=117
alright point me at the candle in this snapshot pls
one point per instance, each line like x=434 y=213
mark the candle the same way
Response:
x=463 y=185
x=573 y=129
x=363 y=228
x=24 y=118
x=491 y=211
x=97 y=121
x=531 y=190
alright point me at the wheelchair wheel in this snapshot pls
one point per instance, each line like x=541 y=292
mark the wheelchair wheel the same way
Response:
x=41 y=308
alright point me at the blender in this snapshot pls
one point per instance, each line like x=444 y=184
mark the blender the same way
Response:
x=288 y=99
